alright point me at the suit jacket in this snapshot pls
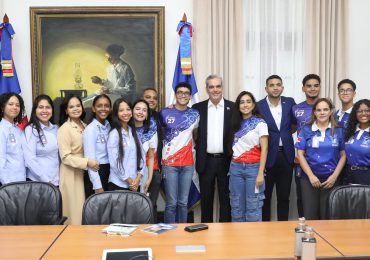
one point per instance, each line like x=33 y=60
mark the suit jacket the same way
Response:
x=285 y=132
x=201 y=142
x=155 y=115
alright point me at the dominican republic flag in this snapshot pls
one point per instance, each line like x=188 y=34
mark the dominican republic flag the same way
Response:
x=8 y=75
x=184 y=73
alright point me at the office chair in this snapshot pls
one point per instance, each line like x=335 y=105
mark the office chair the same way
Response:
x=117 y=207
x=349 y=202
x=30 y=203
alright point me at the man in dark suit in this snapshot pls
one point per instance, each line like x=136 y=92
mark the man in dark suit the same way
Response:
x=212 y=161
x=277 y=111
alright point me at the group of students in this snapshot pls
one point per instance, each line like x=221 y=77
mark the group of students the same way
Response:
x=333 y=147
x=121 y=149
x=112 y=148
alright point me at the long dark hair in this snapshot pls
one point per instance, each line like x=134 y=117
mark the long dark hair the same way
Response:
x=146 y=123
x=352 y=121
x=109 y=118
x=4 y=98
x=116 y=124
x=237 y=118
x=332 y=120
x=63 y=107
x=34 y=121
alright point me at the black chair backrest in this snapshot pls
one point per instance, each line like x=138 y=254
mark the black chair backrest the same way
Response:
x=30 y=203
x=349 y=202
x=117 y=207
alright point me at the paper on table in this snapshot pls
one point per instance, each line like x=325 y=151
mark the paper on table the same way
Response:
x=190 y=249
x=159 y=228
x=120 y=229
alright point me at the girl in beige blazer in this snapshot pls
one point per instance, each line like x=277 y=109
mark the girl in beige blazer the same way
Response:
x=73 y=165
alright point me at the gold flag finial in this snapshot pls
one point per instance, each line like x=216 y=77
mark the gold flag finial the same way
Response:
x=5 y=19
x=184 y=18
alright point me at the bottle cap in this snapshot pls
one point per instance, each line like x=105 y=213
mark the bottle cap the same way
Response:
x=302 y=223
x=309 y=233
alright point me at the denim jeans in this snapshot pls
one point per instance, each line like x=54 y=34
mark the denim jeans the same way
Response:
x=177 y=181
x=246 y=201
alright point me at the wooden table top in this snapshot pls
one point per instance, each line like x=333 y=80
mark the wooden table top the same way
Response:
x=222 y=241
x=26 y=242
x=350 y=237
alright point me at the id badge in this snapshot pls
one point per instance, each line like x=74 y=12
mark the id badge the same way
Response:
x=315 y=142
x=12 y=138
x=101 y=138
x=43 y=139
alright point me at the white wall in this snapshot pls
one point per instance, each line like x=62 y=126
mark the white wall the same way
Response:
x=18 y=12
x=359 y=46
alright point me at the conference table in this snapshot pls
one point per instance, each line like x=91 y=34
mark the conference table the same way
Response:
x=27 y=242
x=335 y=239
x=350 y=237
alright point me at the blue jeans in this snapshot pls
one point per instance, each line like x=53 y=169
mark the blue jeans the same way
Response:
x=245 y=200
x=177 y=181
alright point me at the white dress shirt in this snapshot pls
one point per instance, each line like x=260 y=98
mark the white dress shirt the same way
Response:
x=276 y=112
x=215 y=127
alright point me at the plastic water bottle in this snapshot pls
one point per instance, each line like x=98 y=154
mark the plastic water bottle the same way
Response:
x=308 y=245
x=299 y=232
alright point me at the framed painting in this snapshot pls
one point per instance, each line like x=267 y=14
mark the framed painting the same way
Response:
x=90 y=50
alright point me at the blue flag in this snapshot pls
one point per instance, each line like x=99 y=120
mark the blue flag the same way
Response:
x=8 y=75
x=180 y=77
x=184 y=71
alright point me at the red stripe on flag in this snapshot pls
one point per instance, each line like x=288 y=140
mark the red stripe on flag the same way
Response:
x=23 y=123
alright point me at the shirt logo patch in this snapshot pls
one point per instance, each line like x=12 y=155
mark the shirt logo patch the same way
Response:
x=366 y=142
x=299 y=113
x=334 y=141
x=170 y=119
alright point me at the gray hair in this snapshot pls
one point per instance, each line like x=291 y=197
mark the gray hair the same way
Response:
x=213 y=76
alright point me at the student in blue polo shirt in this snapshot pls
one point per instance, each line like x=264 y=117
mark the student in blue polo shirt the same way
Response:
x=12 y=167
x=41 y=149
x=321 y=155
x=346 y=93
x=302 y=113
x=357 y=144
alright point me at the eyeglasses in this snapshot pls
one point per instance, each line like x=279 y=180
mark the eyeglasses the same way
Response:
x=363 y=111
x=346 y=91
x=184 y=94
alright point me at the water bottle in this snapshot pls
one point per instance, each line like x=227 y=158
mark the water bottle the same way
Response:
x=299 y=232
x=308 y=245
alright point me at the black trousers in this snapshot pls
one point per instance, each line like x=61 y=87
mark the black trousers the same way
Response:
x=216 y=167
x=357 y=176
x=153 y=190
x=113 y=187
x=298 y=172
x=315 y=200
x=104 y=170
x=281 y=175
x=28 y=179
